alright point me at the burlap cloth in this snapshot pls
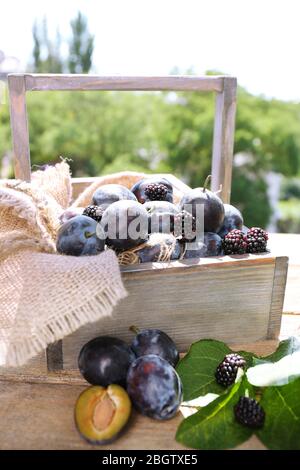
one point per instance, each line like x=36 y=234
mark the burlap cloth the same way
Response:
x=45 y=296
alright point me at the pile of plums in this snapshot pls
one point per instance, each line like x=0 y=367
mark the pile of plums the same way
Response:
x=124 y=219
x=142 y=374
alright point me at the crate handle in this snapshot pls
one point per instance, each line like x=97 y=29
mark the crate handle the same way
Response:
x=225 y=108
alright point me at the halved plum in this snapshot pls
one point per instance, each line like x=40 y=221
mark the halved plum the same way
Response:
x=101 y=413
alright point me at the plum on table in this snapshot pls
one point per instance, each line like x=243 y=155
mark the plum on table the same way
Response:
x=102 y=413
x=154 y=387
x=154 y=341
x=105 y=360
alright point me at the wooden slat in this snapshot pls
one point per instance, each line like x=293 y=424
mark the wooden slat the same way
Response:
x=224 y=138
x=37 y=366
x=19 y=126
x=42 y=417
x=54 y=355
x=43 y=82
x=185 y=266
x=279 y=283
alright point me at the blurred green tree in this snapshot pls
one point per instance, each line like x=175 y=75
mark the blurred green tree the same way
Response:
x=103 y=132
x=81 y=46
x=46 y=53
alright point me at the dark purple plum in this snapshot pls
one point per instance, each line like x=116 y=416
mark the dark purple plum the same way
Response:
x=109 y=193
x=79 y=237
x=213 y=243
x=212 y=205
x=105 y=360
x=125 y=224
x=154 y=387
x=153 y=189
x=233 y=219
x=153 y=250
x=70 y=213
x=153 y=341
x=210 y=246
x=161 y=216
x=196 y=249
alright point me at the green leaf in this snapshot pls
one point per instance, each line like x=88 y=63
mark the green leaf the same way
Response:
x=286 y=347
x=197 y=369
x=214 y=426
x=281 y=430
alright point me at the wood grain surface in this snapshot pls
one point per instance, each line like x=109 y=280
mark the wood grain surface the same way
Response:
x=40 y=416
x=36 y=412
x=44 y=82
x=224 y=139
x=19 y=127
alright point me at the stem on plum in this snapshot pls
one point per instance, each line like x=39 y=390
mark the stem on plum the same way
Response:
x=206 y=182
x=134 y=329
x=89 y=234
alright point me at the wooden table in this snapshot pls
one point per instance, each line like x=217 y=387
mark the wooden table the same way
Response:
x=36 y=411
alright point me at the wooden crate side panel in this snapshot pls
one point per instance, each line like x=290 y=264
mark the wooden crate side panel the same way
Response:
x=231 y=304
x=278 y=292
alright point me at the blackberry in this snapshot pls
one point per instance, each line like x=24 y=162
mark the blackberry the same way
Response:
x=184 y=226
x=95 y=212
x=257 y=240
x=227 y=370
x=156 y=192
x=248 y=412
x=235 y=243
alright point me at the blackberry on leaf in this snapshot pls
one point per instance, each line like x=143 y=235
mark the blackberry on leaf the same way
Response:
x=95 y=212
x=227 y=370
x=248 y=412
x=156 y=191
x=257 y=239
x=235 y=243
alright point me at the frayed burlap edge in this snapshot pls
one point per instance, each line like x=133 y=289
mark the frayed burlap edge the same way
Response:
x=101 y=306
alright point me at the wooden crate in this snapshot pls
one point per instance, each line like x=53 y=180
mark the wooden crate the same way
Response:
x=237 y=299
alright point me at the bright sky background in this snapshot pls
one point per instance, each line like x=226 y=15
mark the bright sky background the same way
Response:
x=256 y=40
